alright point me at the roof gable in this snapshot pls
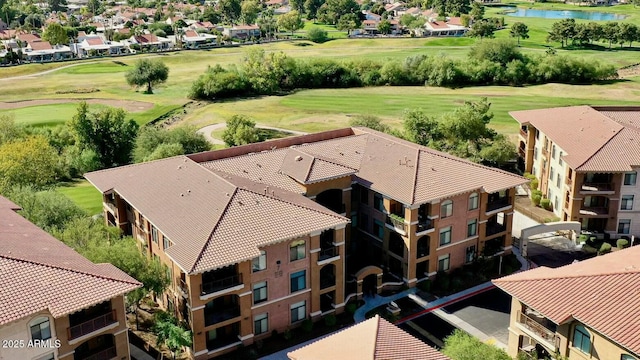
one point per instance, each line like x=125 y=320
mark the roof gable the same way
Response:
x=589 y=288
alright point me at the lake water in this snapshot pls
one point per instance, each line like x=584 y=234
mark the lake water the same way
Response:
x=562 y=14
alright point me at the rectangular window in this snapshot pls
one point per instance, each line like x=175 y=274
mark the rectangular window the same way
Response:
x=473 y=201
x=154 y=234
x=630 y=178
x=298 y=311
x=553 y=152
x=354 y=221
x=556 y=203
x=560 y=158
x=552 y=173
x=445 y=236
x=627 y=202
x=558 y=181
x=582 y=339
x=443 y=263
x=472 y=228
x=297 y=250
x=535 y=153
x=41 y=330
x=378 y=203
x=260 y=324
x=165 y=242
x=378 y=229
x=446 y=209
x=470 y=254
x=298 y=281
x=364 y=195
x=537 y=134
x=259 y=292
x=259 y=263
x=624 y=226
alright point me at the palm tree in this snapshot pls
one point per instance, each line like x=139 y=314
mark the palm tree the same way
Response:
x=173 y=336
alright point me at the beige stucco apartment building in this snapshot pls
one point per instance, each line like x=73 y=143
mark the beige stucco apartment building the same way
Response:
x=587 y=160
x=54 y=303
x=260 y=237
x=585 y=310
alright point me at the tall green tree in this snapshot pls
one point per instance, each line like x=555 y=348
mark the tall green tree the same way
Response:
x=240 y=131
x=420 y=128
x=333 y=10
x=519 y=31
x=384 y=27
x=173 y=336
x=231 y=10
x=562 y=31
x=48 y=209
x=297 y=5
x=482 y=29
x=27 y=161
x=55 y=34
x=154 y=142
x=348 y=23
x=290 y=21
x=106 y=132
x=311 y=8
x=249 y=11
x=147 y=72
x=57 y=5
x=628 y=32
x=611 y=32
x=477 y=11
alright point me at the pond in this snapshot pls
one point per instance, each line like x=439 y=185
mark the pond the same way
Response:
x=561 y=14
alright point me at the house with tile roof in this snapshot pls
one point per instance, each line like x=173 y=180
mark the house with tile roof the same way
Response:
x=585 y=310
x=373 y=339
x=262 y=236
x=55 y=303
x=587 y=160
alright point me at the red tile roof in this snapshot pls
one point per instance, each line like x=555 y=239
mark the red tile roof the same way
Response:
x=45 y=274
x=40 y=45
x=602 y=293
x=190 y=33
x=202 y=211
x=146 y=39
x=29 y=37
x=95 y=41
x=594 y=139
x=375 y=339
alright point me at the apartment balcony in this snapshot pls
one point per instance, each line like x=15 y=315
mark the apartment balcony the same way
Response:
x=541 y=333
x=424 y=225
x=111 y=207
x=92 y=325
x=327 y=281
x=524 y=133
x=598 y=188
x=221 y=314
x=217 y=285
x=594 y=211
x=224 y=337
x=328 y=253
x=106 y=354
x=494 y=228
x=500 y=203
x=397 y=223
x=184 y=289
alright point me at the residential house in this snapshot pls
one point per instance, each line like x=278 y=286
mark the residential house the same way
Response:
x=395 y=9
x=450 y=27
x=585 y=310
x=55 y=303
x=371 y=27
x=257 y=237
x=375 y=339
x=194 y=40
x=587 y=160
x=207 y=26
x=150 y=42
x=242 y=31
x=96 y=45
x=42 y=51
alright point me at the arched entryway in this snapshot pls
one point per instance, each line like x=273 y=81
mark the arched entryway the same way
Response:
x=332 y=200
x=369 y=280
x=370 y=285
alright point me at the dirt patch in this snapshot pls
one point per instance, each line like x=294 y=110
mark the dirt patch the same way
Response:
x=128 y=105
x=630 y=71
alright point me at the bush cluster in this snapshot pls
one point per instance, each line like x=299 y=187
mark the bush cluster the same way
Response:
x=495 y=62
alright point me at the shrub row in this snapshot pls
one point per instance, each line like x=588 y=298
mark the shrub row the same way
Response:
x=275 y=73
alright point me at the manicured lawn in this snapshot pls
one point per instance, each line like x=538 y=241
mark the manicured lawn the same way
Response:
x=84 y=195
x=317 y=110
x=47 y=115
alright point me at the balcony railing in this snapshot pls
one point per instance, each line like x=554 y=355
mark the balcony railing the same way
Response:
x=597 y=187
x=92 y=325
x=498 y=204
x=397 y=222
x=327 y=281
x=494 y=228
x=523 y=133
x=111 y=207
x=594 y=211
x=220 y=284
x=183 y=288
x=221 y=315
x=327 y=253
x=106 y=354
x=540 y=330
x=424 y=225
